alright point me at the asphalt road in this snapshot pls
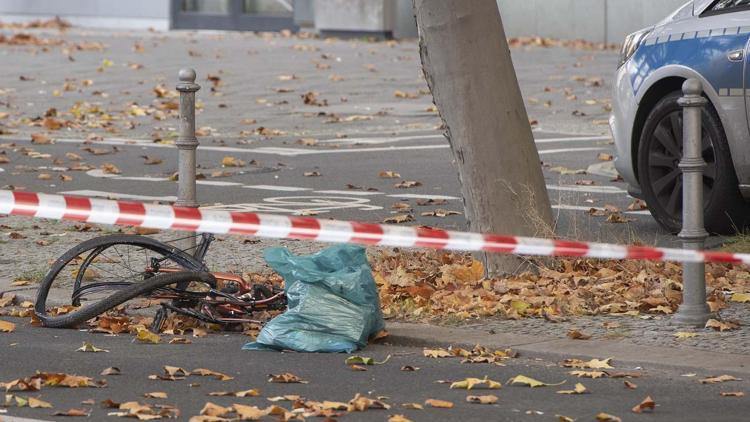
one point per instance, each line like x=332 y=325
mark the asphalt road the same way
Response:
x=369 y=111
x=31 y=349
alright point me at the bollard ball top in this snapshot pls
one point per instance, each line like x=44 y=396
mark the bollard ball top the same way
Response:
x=692 y=86
x=187 y=75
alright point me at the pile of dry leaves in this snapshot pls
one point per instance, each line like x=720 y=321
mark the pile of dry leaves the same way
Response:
x=436 y=285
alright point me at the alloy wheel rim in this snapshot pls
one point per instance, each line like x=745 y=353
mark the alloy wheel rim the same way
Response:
x=665 y=152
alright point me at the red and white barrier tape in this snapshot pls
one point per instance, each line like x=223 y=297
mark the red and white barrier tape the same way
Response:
x=167 y=217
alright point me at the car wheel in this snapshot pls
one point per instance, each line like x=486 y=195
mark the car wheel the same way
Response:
x=659 y=154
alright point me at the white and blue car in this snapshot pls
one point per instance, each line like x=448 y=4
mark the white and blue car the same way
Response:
x=704 y=39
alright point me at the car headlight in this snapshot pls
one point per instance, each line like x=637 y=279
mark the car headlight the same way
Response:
x=631 y=45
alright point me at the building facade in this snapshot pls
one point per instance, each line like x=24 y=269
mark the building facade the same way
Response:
x=592 y=20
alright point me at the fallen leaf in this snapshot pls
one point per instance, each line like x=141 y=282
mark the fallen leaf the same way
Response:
x=721 y=378
x=489 y=399
x=229 y=161
x=399 y=219
x=531 y=382
x=35 y=403
x=629 y=385
x=683 y=335
x=312 y=174
x=287 y=378
x=732 y=394
x=110 y=168
x=211 y=409
x=209 y=373
x=405 y=184
x=40 y=139
x=398 y=418
x=589 y=374
x=245 y=393
x=578 y=389
x=151 y=161
x=113 y=370
x=440 y=404
x=592 y=364
x=605 y=157
x=470 y=383
x=647 y=404
x=566 y=171
x=409 y=368
x=436 y=353
x=156 y=395
x=7 y=327
x=606 y=417
x=145 y=336
x=88 y=347
x=577 y=335
x=72 y=412
x=387 y=174
x=721 y=325
x=440 y=213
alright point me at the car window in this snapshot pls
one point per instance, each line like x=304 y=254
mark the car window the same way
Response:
x=724 y=5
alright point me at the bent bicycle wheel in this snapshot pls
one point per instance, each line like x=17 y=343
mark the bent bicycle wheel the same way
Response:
x=95 y=269
x=149 y=286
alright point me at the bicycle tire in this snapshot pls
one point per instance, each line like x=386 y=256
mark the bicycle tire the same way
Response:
x=99 y=244
x=86 y=313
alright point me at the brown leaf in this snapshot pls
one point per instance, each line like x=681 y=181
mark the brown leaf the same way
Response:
x=7 y=327
x=232 y=162
x=312 y=174
x=72 y=412
x=732 y=394
x=209 y=373
x=722 y=325
x=387 y=174
x=440 y=404
x=113 y=370
x=577 y=335
x=399 y=219
x=151 y=161
x=488 y=399
x=405 y=184
x=156 y=395
x=287 y=378
x=606 y=417
x=721 y=378
x=629 y=385
x=40 y=139
x=647 y=404
x=110 y=168
x=440 y=213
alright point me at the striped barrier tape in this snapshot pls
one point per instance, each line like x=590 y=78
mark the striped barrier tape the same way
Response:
x=167 y=217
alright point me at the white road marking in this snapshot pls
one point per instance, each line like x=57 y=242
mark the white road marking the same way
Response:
x=294 y=152
x=345 y=192
x=301 y=205
x=114 y=195
x=417 y=196
x=573 y=139
x=216 y=183
x=379 y=140
x=564 y=150
x=587 y=189
x=277 y=188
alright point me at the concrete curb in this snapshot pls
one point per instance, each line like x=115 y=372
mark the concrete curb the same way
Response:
x=687 y=359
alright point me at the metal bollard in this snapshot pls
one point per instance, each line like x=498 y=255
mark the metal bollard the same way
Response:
x=694 y=310
x=187 y=143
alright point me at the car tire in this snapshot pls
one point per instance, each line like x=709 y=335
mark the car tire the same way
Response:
x=659 y=152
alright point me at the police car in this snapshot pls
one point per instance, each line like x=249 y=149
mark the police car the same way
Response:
x=704 y=39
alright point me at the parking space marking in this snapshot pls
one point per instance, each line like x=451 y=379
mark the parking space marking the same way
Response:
x=115 y=195
x=277 y=188
x=564 y=150
x=587 y=189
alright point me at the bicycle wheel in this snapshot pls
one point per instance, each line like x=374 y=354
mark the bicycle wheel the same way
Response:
x=119 y=297
x=92 y=270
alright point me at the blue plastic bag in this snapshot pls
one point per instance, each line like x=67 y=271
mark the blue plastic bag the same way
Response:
x=333 y=303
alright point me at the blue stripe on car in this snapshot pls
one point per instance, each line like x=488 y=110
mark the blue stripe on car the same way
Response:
x=705 y=53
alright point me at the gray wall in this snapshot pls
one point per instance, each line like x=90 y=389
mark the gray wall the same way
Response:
x=594 y=20
x=92 y=13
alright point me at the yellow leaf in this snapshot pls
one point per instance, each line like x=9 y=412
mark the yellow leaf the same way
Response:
x=647 y=404
x=683 y=335
x=489 y=399
x=578 y=389
x=470 y=383
x=398 y=418
x=606 y=417
x=156 y=395
x=740 y=297
x=88 y=347
x=440 y=404
x=721 y=325
x=436 y=353
x=7 y=327
x=589 y=374
x=229 y=161
x=36 y=403
x=592 y=364
x=146 y=336
x=721 y=378
x=531 y=382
